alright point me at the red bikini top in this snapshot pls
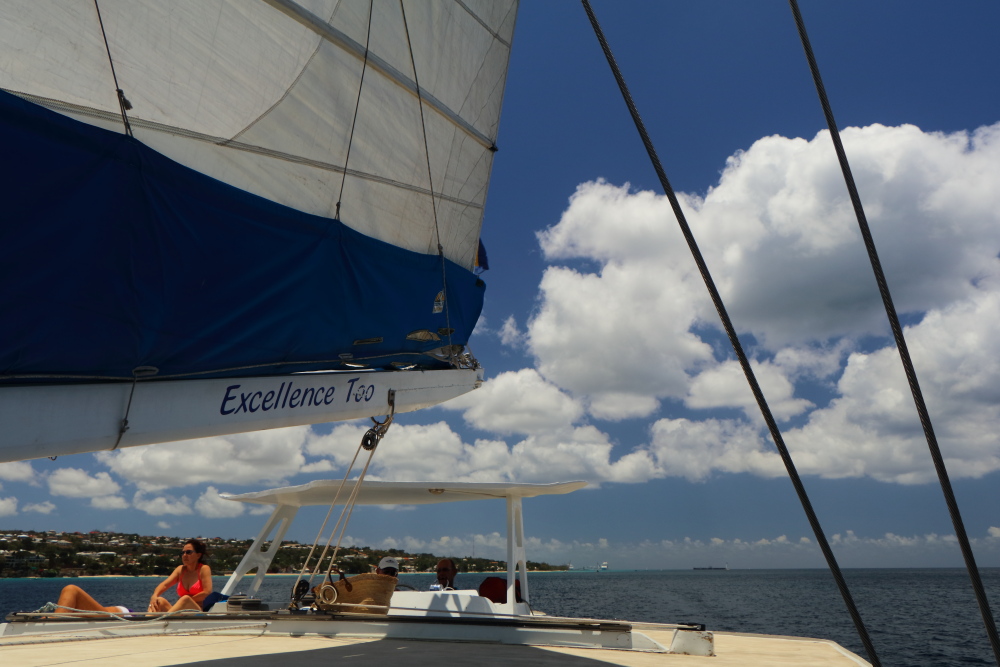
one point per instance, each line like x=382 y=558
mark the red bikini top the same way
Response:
x=194 y=590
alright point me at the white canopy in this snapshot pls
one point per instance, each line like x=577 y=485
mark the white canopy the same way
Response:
x=322 y=492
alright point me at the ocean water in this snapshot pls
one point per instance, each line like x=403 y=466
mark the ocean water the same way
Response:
x=916 y=617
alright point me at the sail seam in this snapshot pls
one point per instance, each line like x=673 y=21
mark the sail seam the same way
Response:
x=281 y=99
x=481 y=22
x=222 y=142
x=338 y=38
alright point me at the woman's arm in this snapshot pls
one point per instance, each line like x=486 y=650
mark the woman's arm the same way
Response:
x=165 y=584
x=205 y=575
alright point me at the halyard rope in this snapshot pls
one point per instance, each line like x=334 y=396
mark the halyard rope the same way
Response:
x=897 y=332
x=369 y=442
x=737 y=346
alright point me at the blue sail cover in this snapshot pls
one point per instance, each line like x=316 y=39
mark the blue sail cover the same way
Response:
x=116 y=257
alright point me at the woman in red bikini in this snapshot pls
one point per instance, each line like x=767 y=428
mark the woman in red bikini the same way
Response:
x=193 y=578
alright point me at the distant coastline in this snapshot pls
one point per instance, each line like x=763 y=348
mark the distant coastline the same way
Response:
x=51 y=554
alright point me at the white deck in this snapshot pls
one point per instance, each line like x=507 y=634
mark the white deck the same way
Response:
x=732 y=650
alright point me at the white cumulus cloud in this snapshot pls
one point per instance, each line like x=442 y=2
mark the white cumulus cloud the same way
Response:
x=696 y=449
x=8 y=506
x=161 y=505
x=109 y=503
x=872 y=429
x=436 y=452
x=780 y=232
x=725 y=386
x=77 y=483
x=417 y=452
x=245 y=458
x=17 y=471
x=45 y=507
x=212 y=506
x=510 y=334
x=637 y=334
x=517 y=402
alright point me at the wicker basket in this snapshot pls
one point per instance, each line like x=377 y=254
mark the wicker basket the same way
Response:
x=353 y=594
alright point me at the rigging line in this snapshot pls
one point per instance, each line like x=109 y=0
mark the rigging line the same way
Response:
x=737 y=346
x=897 y=332
x=342 y=522
x=137 y=372
x=123 y=102
x=319 y=535
x=349 y=508
x=368 y=444
x=357 y=105
x=430 y=183
x=124 y=423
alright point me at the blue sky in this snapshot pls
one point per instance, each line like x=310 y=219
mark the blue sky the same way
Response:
x=604 y=358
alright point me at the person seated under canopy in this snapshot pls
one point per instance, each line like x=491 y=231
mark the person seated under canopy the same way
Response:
x=446 y=571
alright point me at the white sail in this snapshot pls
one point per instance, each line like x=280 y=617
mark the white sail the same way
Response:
x=262 y=95
x=205 y=252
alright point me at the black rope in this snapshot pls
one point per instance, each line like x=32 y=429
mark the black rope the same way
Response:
x=904 y=354
x=123 y=103
x=430 y=181
x=123 y=426
x=737 y=346
x=357 y=105
x=137 y=372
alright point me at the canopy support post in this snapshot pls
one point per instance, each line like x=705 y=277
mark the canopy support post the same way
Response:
x=516 y=559
x=259 y=557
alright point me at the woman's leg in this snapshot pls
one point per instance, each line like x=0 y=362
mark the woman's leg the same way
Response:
x=74 y=597
x=162 y=605
x=186 y=602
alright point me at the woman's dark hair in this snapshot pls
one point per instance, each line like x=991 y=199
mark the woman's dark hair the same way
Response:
x=199 y=548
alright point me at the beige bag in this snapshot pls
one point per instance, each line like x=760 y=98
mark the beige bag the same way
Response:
x=355 y=594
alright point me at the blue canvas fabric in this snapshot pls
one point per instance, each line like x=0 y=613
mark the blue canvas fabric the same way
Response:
x=115 y=257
